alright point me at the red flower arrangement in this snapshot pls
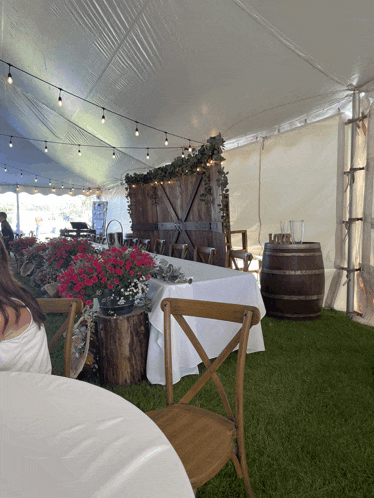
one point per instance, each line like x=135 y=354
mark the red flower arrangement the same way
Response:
x=124 y=272
x=21 y=244
x=61 y=251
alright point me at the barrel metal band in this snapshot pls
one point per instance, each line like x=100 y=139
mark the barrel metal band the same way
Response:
x=293 y=253
x=293 y=298
x=294 y=315
x=289 y=272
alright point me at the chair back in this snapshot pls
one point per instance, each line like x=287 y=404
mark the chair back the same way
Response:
x=71 y=308
x=175 y=248
x=144 y=244
x=204 y=254
x=159 y=246
x=237 y=313
x=232 y=255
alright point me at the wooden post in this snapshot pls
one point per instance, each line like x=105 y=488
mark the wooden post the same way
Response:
x=123 y=348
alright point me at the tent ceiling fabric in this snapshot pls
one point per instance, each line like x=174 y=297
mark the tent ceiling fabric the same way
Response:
x=192 y=69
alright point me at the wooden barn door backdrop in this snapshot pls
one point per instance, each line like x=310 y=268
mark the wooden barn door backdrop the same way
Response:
x=173 y=211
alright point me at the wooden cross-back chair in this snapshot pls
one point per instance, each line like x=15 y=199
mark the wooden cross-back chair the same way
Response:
x=204 y=254
x=144 y=244
x=204 y=440
x=175 y=248
x=71 y=308
x=159 y=246
x=233 y=254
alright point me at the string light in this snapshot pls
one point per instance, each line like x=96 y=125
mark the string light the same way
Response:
x=21 y=174
x=114 y=153
x=182 y=152
x=62 y=185
x=103 y=116
x=10 y=142
x=35 y=190
x=189 y=146
x=36 y=179
x=136 y=130
x=9 y=79
x=50 y=183
x=17 y=188
x=72 y=188
x=53 y=189
x=147 y=153
x=5 y=169
x=166 y=139
x=60 y=99
x=79 y=150
x=45 y=148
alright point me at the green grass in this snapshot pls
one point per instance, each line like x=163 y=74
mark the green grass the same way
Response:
x=309 y=406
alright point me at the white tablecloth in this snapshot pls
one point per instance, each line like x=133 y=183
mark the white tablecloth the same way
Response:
x=210 y=283
x=64 y=438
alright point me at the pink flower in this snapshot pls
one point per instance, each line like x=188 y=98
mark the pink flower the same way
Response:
x=110 y=286
x=116 y=281
x=148 y=277
x=119 y=271
x=131 y=273
x=88 y=302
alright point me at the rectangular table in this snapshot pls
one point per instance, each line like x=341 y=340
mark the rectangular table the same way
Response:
x=210 y=283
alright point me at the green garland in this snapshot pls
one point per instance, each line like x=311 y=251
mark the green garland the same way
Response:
x=197 y=161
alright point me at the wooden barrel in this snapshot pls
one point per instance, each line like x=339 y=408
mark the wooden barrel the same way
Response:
x=293 y=280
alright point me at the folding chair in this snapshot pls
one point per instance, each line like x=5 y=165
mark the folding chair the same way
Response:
x=204 y=254
x=71 y=308
x=174 y=248
x=204 y=440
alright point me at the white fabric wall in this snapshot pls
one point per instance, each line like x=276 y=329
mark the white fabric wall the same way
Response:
x=292 y=177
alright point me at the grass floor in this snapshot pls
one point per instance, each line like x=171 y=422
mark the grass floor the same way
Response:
x=309 y=410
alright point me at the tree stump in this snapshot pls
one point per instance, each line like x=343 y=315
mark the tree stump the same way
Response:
x=123 y=348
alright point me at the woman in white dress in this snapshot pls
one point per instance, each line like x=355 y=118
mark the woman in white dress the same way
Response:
x=23 y=341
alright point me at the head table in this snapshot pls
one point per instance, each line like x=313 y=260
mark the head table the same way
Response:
x=210 y=283
x=64 y=438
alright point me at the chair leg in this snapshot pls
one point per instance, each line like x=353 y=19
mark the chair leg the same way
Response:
x=243 y=466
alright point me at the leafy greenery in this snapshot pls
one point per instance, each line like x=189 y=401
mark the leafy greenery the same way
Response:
x=199 y=161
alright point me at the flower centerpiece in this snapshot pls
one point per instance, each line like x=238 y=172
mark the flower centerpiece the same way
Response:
x=119 y=274
x=21 y=244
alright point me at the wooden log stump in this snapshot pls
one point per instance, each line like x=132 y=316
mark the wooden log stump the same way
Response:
x=123 y=348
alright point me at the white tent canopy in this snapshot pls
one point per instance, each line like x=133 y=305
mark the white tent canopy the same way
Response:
x=190 y=69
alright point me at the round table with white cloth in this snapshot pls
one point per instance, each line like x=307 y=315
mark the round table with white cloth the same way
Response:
x=65 y=438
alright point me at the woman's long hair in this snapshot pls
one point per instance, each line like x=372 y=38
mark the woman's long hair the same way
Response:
x=11 y=288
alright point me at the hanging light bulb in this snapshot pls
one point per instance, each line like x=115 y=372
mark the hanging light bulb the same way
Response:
x=72 y=188
x=83 y=190
x=182 y=153
x=35 y=190
x=45 y=148
x=17 y=188
x=147 y=153
x=10 y=142
x=103 y=116
x=5 y=169
x=166 y=139
x=70 y=192
x=53 y=189
x=79 y=151
x=36 y=179
x=114 y=153
x=50 y=183
x=60 y=99
x=9 y=79
x=62 y=185
x=136 y=130
x=189 y=146
x=21 y=174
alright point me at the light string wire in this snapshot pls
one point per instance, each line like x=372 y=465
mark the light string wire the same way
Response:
x=104 y=109
x=50 y=179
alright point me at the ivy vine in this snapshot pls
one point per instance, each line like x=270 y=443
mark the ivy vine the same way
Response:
x=197 y=161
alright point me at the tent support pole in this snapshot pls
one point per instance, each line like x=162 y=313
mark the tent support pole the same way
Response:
x=352 y=204
x=18 y=227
